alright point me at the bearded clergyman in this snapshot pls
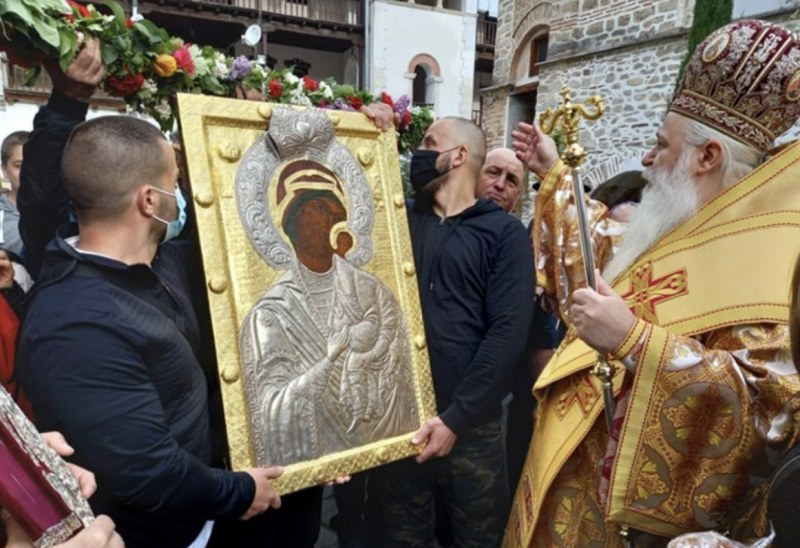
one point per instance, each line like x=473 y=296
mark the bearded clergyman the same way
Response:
x=691 y=308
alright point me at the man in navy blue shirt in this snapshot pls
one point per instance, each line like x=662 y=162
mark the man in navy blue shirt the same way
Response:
x=108 y=352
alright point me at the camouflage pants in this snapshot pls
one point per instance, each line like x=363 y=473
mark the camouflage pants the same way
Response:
x=473 y=483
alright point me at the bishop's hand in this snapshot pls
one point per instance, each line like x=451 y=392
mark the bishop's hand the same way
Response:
x=534 y=148
x=601 y=317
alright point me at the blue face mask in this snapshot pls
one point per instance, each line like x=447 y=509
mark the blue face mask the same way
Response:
x=173 y=227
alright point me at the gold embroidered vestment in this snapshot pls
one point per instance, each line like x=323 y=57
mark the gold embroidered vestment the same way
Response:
x=710 y=407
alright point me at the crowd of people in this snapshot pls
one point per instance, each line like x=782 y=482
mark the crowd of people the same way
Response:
x=693 y=306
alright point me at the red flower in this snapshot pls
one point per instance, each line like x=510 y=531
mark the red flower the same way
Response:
x=82 y=10
x=406 y=120
x=275 y=88
x=310 y=83
x=323 y=104
x=387 y=99
x=184 y=59
x=355 y=102
x=128 y=23
x=128 y=85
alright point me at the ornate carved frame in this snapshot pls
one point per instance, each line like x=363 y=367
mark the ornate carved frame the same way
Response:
x=218 y=137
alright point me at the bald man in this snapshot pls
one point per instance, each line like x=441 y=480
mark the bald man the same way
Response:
x=500 y=181
x=475 y=273
x=501 y=177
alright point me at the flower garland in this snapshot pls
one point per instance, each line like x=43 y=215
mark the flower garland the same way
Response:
x=147 y=68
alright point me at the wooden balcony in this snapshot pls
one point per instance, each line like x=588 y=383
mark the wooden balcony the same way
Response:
x=348 y=13
x=486 y=33
x=15 y=89
x=328 y=25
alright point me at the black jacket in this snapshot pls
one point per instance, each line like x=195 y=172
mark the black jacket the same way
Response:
x=111 y=356
x=476 y=282
x=106 y=356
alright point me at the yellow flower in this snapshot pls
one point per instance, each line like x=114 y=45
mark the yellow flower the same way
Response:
x=165 y=65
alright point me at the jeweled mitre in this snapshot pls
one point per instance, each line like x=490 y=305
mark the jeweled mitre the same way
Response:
x=744 y=80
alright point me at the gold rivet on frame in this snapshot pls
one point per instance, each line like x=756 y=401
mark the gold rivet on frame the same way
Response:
x=230 y=375
x=217 y=285
x=204 y=199
x=419 y=342
x=399 y=201
x=409 y=269
x=265 y=111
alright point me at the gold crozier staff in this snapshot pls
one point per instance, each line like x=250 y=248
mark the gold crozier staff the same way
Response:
x=568 y=117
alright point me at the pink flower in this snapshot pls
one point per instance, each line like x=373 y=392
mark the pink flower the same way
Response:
x=184 y=59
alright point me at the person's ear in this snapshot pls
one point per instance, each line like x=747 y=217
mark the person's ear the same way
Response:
x=460 y=157
x=709 y=157
x=146 y=201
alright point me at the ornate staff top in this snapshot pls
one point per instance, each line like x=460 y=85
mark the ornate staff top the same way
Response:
x=569 y=115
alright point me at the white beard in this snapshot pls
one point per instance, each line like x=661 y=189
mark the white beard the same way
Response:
x=668 y=200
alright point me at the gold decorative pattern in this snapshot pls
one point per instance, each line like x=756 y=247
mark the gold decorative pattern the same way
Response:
x=237 y=276
x=645 y=292
x=229 y=152
x=581 y=392
x=742 y=80
x=365 y=156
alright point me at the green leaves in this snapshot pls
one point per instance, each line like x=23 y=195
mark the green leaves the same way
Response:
x=28 y=18
x=39 y=29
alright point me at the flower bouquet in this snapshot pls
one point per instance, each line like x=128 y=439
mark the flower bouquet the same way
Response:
x=147 y=68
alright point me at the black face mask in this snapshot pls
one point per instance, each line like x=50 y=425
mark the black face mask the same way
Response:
x=423 y=167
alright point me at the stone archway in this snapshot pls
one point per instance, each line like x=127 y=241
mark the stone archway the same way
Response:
x=429 y=61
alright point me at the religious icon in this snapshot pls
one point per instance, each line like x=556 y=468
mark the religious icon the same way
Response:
x=312 y=288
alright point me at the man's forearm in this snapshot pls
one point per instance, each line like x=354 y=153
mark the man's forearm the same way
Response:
x=42 y=200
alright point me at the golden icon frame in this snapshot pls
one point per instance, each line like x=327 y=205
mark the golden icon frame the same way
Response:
x=216 y=132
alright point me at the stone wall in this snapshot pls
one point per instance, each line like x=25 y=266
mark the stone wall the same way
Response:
x=493 y=114
x=636 y=84
x=627 y=51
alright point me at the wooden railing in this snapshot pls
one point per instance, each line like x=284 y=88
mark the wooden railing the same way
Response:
x=486 y=33
x=15 y=89
x=348 y=12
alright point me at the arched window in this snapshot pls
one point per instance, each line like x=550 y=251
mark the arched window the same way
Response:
x=538 y=53
x=531 y=52
x=419 y=96
x=425 y=74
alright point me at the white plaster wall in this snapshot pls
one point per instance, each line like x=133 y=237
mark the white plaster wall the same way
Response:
x=324 y=64
x=401 y=31
x=19 y=117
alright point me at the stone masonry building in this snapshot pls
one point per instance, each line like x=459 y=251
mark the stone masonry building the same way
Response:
x=627 y=51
